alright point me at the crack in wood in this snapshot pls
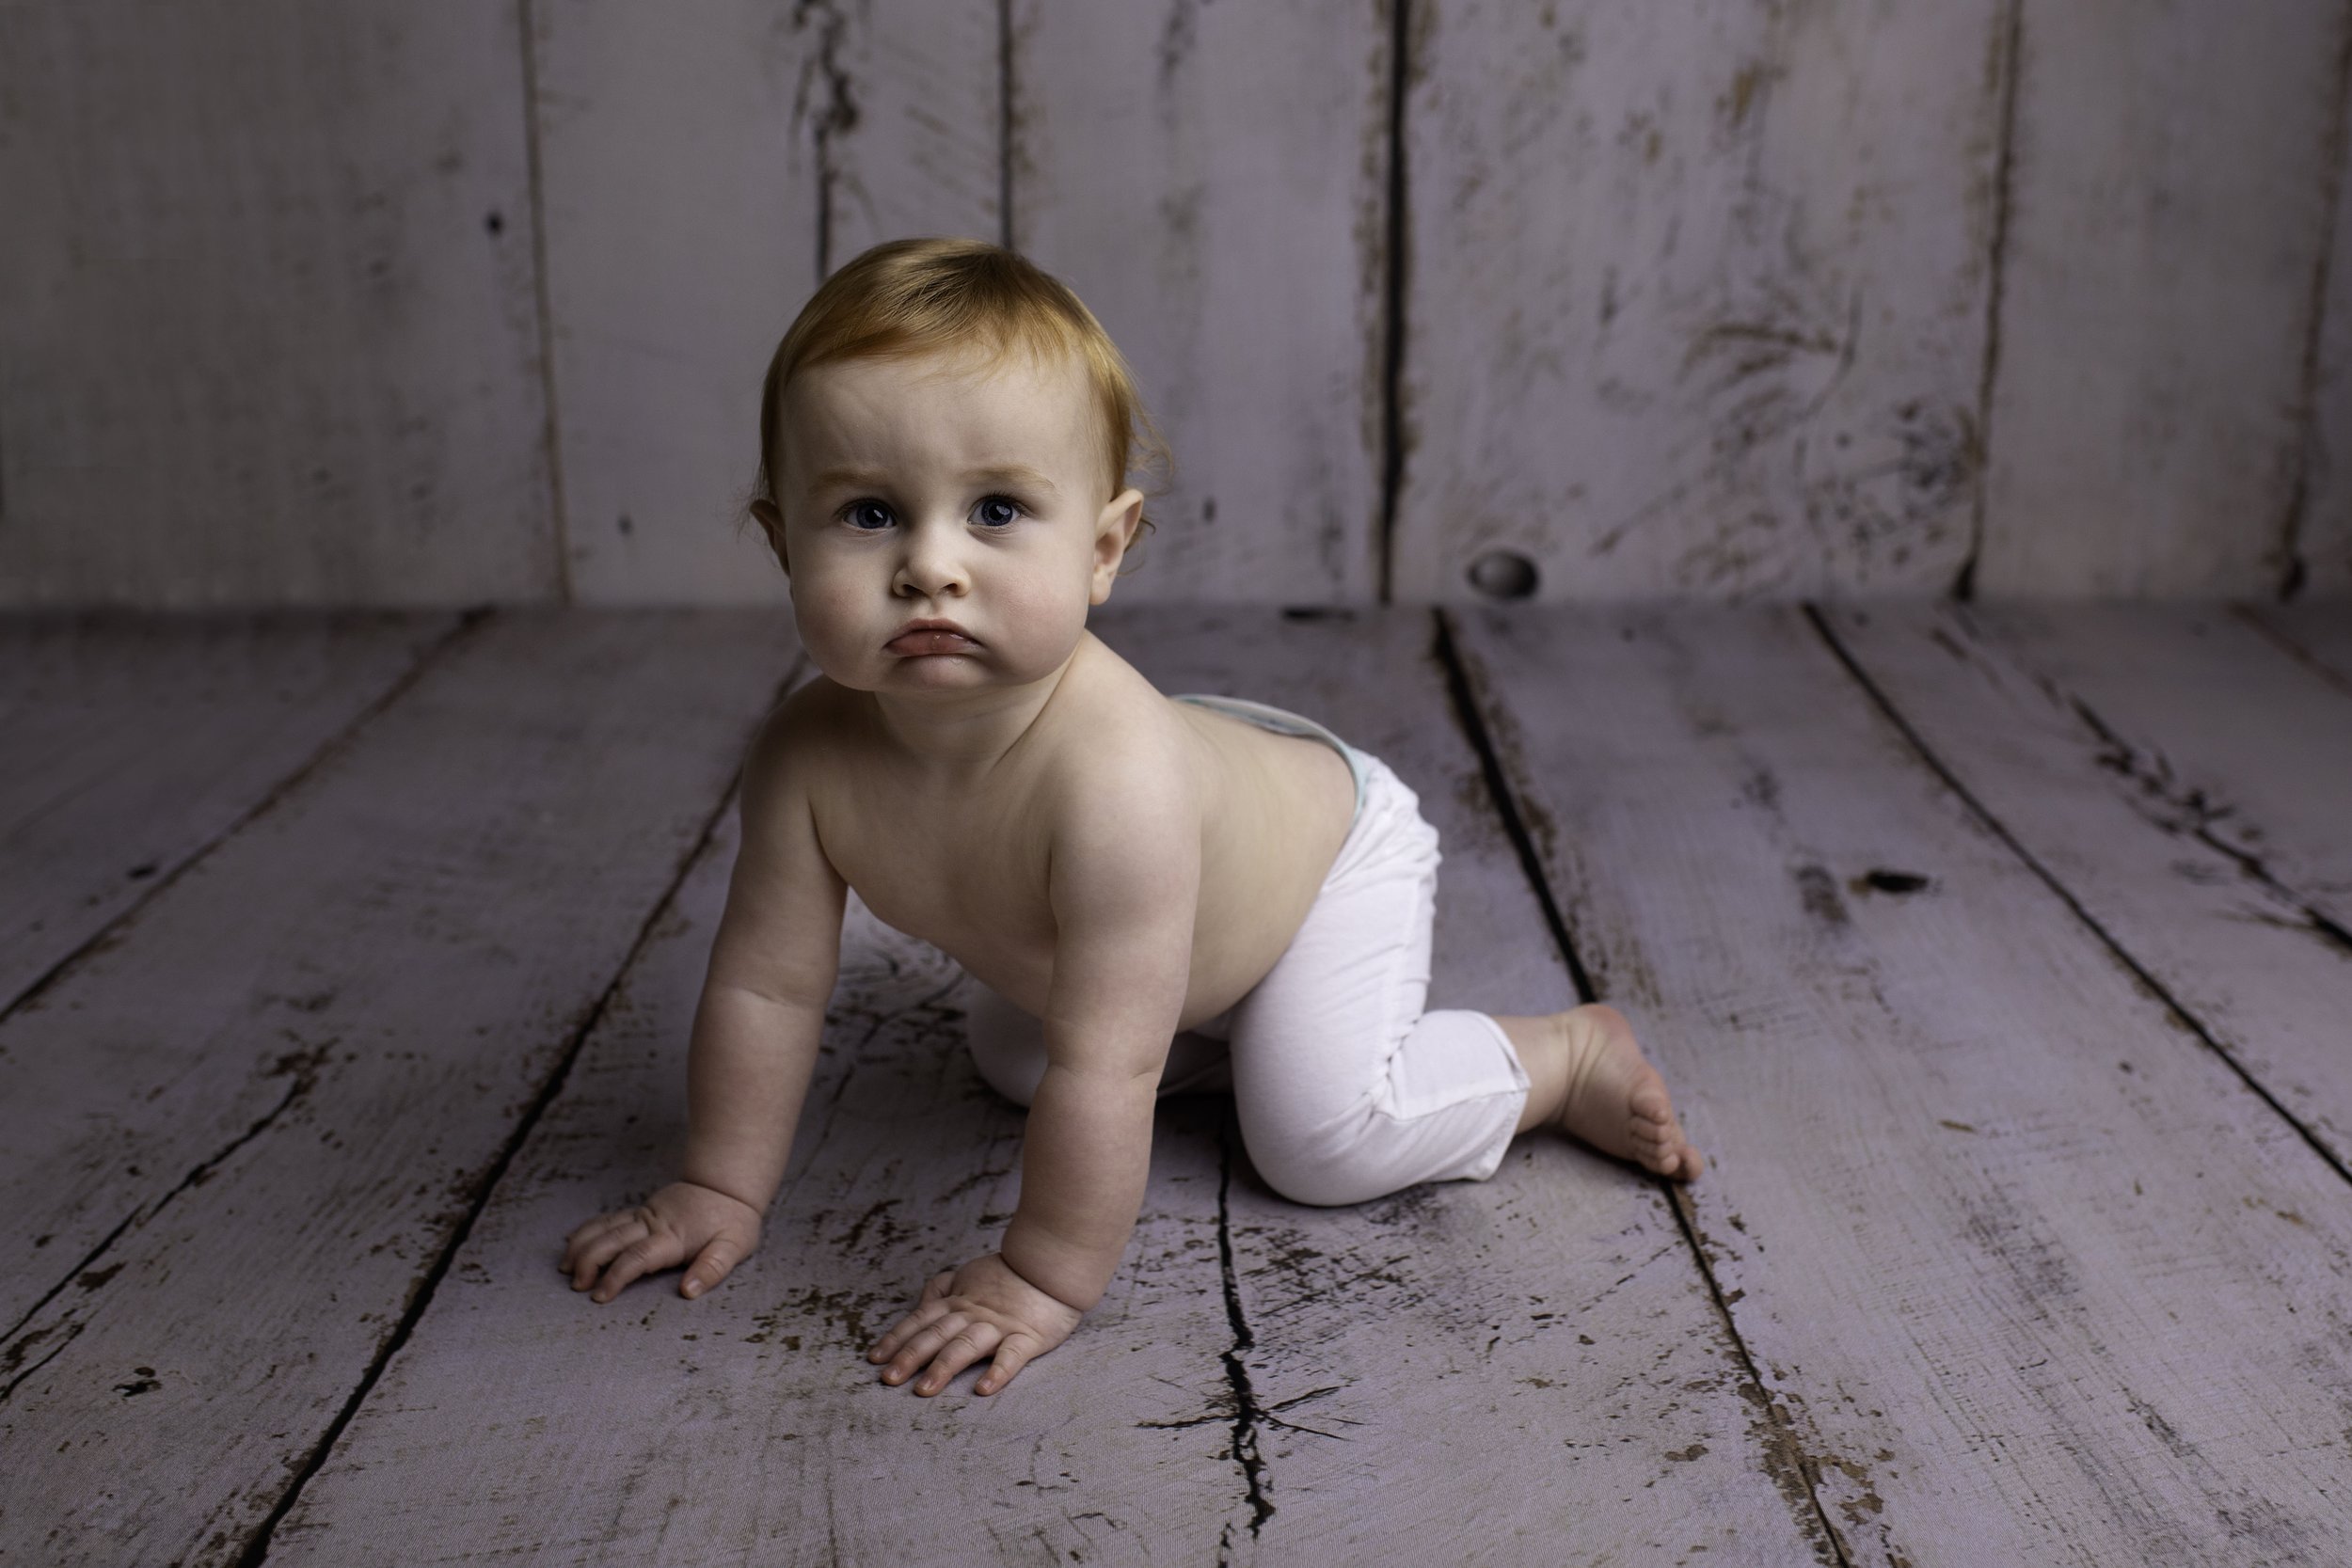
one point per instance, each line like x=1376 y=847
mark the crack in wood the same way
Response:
x=1395 y=440
x=1516 y=815
x=304 y=1066
x=74 y=1331
x=2294 y=571
x=2006 y=62
x=2166 y=803
x=839 y=112
x=1246 y=1413
x=1005 y=89
x=542 y=307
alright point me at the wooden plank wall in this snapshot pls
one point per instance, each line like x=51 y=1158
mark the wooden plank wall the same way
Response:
x=1697 y=297
x=2167 y=221
x=266 y=321
x=2323 y=541
x=1213 y=181
x=445 y=304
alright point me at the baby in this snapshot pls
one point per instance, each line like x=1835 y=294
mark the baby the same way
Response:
x=1156 y=893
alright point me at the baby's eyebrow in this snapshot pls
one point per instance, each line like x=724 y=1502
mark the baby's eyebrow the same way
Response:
x=1001 y=473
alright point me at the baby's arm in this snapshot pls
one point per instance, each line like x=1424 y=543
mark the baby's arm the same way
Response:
x=754 y=1042
x=1124 y=880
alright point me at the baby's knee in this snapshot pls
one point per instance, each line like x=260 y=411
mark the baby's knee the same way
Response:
x=1321 y=1171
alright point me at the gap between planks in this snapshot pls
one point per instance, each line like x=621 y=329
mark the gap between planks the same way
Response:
x=2166 y=995
x=1791 y=1451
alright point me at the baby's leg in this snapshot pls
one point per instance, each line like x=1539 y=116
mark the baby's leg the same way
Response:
x=1346 y=1090
x=1590 y=1080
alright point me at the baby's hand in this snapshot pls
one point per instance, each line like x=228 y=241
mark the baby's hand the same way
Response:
x=964 y=1314
x=681 y=1221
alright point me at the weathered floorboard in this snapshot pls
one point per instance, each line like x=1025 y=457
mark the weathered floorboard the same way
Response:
x=133 y=744
x=2185 y=781
x=1213 y=181
x=1126 y=1444
x=261 y=1114
x=2213 y=725
x=523 y=1420
x=2031 y=1273
x=1525 y=1369
x=2168 y=203
x=1698 y=296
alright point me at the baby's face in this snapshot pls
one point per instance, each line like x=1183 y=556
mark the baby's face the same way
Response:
x=932 y=489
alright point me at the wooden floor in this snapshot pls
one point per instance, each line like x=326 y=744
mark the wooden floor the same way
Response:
x=2000 y=959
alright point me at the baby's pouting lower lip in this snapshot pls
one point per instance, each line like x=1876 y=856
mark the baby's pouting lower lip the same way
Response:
x=920 y=642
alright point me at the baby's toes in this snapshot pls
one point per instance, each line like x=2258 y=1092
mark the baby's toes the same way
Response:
x=1685 y=1162
x=1649 y=1101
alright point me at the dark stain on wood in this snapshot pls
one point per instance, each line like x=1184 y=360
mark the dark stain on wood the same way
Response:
x=849 y=1316
x=1879 y=880
x=890 y=1233
x=1176 y=39
x=1819 y=892
x=1771 y=1430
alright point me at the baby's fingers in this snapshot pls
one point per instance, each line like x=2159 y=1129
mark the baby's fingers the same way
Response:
x=905 y=1329
x=581 y=1235
x=595 y=1243
x=917 y=1352
x=968 y=1346
x=714 y=1263
x=1015 y=1353
x=659 y=1250
x=926 y=1311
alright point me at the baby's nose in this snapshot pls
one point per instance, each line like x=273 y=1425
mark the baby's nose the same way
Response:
x=931 y=567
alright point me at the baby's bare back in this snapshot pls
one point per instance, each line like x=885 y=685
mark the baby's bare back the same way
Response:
x=959 y=858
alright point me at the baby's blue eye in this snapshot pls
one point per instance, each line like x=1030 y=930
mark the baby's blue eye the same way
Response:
x=858 y=513
x=989 y=519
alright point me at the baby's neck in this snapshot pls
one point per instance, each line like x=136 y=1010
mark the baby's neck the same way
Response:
x=964 y=734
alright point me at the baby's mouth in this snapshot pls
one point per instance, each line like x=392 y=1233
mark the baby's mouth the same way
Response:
x=926 y=640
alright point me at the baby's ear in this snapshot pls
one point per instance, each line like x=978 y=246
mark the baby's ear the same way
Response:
x=771 y=523
x=1113 y=532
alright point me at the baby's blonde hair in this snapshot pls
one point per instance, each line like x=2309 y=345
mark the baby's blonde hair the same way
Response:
x=909 y=297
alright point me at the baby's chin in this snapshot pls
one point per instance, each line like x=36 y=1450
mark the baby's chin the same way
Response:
x=944 y=674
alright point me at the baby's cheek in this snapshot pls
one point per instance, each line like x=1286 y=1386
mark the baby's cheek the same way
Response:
x=829 y=623
x=1047 y=617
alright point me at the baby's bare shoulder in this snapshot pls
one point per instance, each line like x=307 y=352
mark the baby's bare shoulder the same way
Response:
x=791 y=746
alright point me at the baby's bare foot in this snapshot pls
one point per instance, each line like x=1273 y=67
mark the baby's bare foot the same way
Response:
x=1614 y=1099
